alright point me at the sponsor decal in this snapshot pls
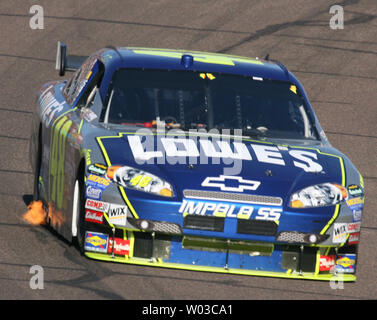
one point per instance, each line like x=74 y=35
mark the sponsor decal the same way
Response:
x=121 y=246
x=353 y=227
x=87 y=157
x=326 y=263
x=89 y=115
x=339 y=233
x=355 y=201
x=93 y=216
x=97 y=205
x=355 y=190
x=188 y=148
x=50 y=106
x=341 y=230
x=222 y=182
x=93 y=193
x=95 y=186
x=229 y=210
x=97 y=169
x=98 y=181
x=356 y=214
x=95 y=241
x=117 y=214
x=354 y=238
x=346 y=263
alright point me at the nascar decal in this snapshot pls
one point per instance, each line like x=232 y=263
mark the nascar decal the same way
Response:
x=188 y=148
x=95 y=241
x=229 y=210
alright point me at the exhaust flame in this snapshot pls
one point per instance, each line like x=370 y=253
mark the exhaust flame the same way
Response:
x=35 y=215
x=55 y=216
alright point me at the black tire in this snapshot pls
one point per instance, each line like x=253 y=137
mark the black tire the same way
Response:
x=37 y=171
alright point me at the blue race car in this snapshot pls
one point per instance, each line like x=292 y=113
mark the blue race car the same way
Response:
x=194 y=160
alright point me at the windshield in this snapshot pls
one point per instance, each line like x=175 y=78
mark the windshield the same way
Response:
x=196 y=100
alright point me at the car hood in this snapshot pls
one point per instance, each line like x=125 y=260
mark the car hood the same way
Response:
x=239 y=166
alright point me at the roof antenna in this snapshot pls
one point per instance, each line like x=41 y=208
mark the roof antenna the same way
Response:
x=267 y=57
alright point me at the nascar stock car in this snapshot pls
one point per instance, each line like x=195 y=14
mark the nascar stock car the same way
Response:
x=193 y=160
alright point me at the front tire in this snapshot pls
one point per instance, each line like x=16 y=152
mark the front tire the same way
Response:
x=78 y=214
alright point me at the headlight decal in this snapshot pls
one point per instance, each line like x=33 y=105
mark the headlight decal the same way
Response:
x=320 y=195
x=140 y=180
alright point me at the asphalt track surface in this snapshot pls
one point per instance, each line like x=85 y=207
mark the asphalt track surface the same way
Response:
x=338 y=68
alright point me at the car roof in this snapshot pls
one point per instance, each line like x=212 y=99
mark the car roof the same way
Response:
x=168 y=59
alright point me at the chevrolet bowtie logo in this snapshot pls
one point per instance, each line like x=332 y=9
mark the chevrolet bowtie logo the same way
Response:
x=220 y=182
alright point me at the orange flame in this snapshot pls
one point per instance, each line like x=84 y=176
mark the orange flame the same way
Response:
x=35 y=215
x=55 y=216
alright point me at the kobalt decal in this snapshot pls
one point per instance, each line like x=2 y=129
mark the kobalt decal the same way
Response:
x=220 y=182
x=187 y=148
x=229 y=210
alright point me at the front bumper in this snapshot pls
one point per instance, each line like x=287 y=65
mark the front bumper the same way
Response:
x=223 y=256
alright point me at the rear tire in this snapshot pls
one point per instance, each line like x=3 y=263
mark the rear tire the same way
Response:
x=38 y=163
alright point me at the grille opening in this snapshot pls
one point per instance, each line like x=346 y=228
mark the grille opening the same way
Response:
x=232 y=197
x=257 y=227
x=207 y=223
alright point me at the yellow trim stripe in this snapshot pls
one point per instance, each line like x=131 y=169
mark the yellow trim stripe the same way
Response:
x=161 y=263
x=121 y=189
